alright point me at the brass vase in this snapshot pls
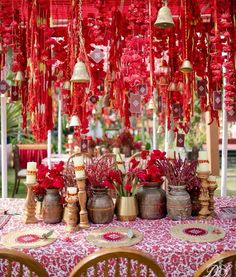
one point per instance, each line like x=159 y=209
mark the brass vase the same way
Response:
x=127 y=208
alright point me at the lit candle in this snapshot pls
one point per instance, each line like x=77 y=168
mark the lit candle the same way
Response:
x=77 y=149
x=31 y=173
x=203 y=163
x=120 y=162
x=79 y=167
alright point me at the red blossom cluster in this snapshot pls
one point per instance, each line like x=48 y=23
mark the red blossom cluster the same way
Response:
x=149 y=171
x=49 y=178
x=124 y=184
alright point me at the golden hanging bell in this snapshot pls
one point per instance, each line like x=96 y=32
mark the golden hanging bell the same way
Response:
x=74 y=122
x=19 y=76
x=164 y=18
x=186 y=67
x=150 y=105
x=66 y=85
x=80 y=74
x=172 y=86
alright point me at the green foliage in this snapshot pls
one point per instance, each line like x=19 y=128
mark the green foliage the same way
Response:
x=196 y=136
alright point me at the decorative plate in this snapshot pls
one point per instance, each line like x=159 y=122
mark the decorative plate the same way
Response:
x=27 y=238
x=197 y=232
x=114 y=236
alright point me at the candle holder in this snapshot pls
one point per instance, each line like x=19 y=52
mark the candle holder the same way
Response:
x=30 y=205
x=211 y=188
x=82 y=195
x=72 y=218
x=204 y=195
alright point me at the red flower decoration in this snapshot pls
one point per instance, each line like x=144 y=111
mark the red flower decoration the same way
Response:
x=128 y=187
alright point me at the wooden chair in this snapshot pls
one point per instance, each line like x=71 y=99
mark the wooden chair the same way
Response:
x=222 y=265
x=140 y=263
x=25 y=261
x=20 y=174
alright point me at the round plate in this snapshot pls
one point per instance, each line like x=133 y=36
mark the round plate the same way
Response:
x=27 y=238
x=197 y=232
x=114 y=236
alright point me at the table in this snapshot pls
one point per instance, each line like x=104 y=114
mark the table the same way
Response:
x=177 y=258
x=56 y=158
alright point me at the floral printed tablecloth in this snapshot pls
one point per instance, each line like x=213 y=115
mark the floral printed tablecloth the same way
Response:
x=176 y=257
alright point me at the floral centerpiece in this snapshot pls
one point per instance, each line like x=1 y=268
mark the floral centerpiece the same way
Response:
x=180 y=174
x=147 y=170
x=49 y=187
x=126 y=186
x=100 y=205
x=151 y=198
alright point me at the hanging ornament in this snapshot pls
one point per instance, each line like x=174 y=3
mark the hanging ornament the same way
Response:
x=75 y=122
x=217 y=100
x=66 y=85
x=97 y=55
x=4 y=87
x=180 y=140
x=186 y=67
x=142 y=89
x=164 y=18
x=135 y=103
x=93 y=99
x=80 y=73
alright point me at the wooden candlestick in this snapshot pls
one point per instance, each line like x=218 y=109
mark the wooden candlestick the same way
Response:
x=30 y=206
x=82 y=195
x=204 y=195
x=72 y=218
x=212 y=189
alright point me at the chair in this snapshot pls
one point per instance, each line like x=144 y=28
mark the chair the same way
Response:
x=25 y=263
x=222 y=265
x=20 y=174
x=109 y=259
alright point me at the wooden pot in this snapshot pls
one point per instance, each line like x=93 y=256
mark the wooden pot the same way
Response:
x=152 y=201
x=179 y=203
x=52 y=207
x=100 y=206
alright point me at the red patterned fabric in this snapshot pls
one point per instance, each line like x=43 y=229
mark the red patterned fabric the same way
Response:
x=177 y=258
x=31 y=155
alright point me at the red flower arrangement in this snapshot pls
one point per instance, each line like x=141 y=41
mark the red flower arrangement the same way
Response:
x=146 y=169
x=124 y=184
x=49 y=179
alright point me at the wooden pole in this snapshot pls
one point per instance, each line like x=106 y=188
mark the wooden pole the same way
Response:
x=4 y=144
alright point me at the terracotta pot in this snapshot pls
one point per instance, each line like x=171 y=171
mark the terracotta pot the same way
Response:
x=178 y=203
x=127 y=208
x=52 y=208
x=100 y=206
x=152 y=201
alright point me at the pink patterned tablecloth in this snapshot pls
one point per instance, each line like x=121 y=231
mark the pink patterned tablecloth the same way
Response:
x=177 y=258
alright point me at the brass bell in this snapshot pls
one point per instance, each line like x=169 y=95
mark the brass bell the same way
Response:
x=80 y=74
x=172 y=86
x=19 y=76
x=186 y=67
x=150 y=105
x=164 y=18
x=66 y=85
x=74 y=122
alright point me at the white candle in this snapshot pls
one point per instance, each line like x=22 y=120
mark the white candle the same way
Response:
x=170 y=154
x=120 y=163
x=116 y=150
x=77 y=149
x=70 y=137
x=203 y=163
x=79 y=167
x=212 y=181
x=202 y=155
x=31 y=173
x=72 y=190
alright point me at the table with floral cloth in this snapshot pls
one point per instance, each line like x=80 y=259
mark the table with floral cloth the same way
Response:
x=176 y=257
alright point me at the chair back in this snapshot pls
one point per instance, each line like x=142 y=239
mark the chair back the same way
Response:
x=21 y=263
x=222 y=265
x=16 y=160
x=117 y=261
